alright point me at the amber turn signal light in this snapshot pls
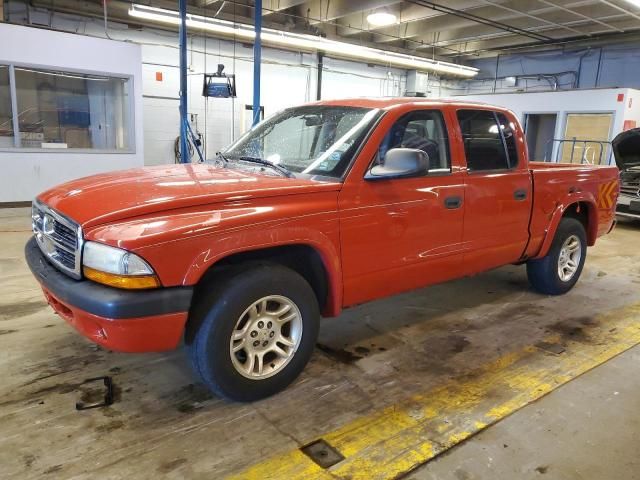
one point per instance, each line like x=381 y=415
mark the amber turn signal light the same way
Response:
x=131 y=282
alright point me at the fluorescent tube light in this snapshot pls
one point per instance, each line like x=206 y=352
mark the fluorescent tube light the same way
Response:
x=296 y=41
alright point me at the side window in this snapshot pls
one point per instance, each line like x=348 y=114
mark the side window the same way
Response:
x=483 y=144
x=424 y=130
x=508 y=131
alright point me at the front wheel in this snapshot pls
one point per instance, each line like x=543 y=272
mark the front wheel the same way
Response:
x=559 y=270
x=253 y=331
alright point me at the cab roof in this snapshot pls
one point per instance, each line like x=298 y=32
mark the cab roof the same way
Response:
x=389 y=103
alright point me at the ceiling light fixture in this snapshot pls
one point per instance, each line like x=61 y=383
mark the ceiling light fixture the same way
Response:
x=298 y=42
x=381 y=19
x=634 y=2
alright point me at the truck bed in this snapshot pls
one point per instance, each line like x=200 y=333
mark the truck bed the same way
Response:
x=556 y=185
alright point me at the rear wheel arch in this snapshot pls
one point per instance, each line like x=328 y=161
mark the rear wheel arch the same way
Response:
x=559 y=270
x=586 y=213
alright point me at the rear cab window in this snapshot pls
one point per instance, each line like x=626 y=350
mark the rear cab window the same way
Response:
x=489 y=140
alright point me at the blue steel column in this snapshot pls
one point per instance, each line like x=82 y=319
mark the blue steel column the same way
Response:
x=184 y=148
x=257 y=59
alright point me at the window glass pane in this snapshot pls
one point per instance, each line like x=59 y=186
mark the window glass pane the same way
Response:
x=70 y=110
x=6 y=121
x=483 y=145
x=424 y=130
x=508 y=131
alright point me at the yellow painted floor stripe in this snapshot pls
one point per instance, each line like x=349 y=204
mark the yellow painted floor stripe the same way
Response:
x=401 y=437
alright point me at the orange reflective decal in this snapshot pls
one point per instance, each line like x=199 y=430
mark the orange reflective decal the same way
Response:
x=607 y=193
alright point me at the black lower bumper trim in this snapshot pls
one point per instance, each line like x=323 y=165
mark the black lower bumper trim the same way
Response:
x=105 y=301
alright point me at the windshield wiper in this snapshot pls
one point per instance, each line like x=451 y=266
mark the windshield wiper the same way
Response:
x=221 y=156
x=266 y=163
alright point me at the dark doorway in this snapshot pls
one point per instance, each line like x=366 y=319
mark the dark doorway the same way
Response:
x=540 y=129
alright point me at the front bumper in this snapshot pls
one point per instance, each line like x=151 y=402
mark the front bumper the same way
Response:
x=628 y=206
x=122 y=320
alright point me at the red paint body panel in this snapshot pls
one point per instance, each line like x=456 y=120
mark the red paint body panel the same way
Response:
x=375 y=238
x=145 y=334
x=557 y=186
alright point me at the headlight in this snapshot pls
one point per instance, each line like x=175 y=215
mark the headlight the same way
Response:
x=116 y=267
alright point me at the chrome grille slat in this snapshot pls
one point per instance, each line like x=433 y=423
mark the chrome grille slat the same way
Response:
x=67 y=259
x=66 y=235
x=59 y=243
x=59 y=238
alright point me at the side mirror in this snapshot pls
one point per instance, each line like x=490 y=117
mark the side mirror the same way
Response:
x=400 y=162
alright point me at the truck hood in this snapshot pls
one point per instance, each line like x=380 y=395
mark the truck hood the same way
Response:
x=109 y=197
x=626 y=149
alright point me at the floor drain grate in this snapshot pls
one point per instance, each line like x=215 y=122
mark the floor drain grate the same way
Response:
x=322 y=453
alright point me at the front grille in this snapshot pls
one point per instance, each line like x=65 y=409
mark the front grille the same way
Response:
x=58 y=237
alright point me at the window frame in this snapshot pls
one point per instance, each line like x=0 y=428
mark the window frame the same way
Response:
x=429 y=173
x=510 y=167
x=129 y=105
x=377 y=117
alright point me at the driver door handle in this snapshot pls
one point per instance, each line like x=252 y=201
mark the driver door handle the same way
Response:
x=520 y=194
x=452 y=202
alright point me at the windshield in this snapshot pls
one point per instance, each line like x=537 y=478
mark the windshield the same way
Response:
x=314 y=140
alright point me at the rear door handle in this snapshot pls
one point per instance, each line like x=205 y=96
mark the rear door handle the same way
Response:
x=520 y=194
x=452 y=202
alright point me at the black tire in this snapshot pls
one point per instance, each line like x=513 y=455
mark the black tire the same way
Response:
x=213 y=318
x=543 y=273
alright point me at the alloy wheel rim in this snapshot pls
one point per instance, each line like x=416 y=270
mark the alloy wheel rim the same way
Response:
x=266 y=337
x=569 y=258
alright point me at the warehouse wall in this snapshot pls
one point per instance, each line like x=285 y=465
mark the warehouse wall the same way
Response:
x=288 y=79
x=609 y=66
x=26 y=173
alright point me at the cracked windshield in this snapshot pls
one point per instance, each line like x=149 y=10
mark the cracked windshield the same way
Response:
x=312 y=140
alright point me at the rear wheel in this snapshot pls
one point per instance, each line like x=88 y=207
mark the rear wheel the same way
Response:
x=560 y=269
x=252 y=336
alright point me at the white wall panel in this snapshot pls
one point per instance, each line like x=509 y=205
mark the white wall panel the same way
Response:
x=26 y=173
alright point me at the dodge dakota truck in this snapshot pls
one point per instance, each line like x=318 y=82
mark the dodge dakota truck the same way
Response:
x=318 y=208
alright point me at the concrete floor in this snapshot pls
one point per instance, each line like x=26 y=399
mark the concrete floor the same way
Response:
x=588 y=429
x=370 y=358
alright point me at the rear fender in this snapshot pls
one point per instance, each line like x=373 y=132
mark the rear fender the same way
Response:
x=584 y=201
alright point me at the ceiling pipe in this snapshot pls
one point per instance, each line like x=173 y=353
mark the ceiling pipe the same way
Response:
x=481 y=20
x=593 y=41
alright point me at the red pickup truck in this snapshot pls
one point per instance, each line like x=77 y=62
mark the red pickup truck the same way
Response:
x=316 y=209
